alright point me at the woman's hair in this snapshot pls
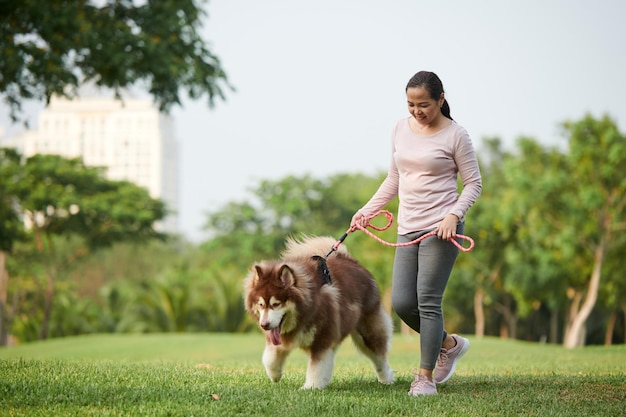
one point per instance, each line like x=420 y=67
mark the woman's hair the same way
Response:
x=431 y=82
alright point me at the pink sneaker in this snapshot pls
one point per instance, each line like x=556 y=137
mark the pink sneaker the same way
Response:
x=422 y=386
x=447 y=359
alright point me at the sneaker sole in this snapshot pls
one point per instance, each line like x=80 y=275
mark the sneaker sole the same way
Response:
x=464 y=349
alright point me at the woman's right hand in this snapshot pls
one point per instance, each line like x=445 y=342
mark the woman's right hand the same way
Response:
x=358 y=220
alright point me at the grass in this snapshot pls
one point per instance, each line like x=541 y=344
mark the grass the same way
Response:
x=221 y=375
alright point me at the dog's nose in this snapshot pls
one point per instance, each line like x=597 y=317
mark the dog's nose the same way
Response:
x=265 y=325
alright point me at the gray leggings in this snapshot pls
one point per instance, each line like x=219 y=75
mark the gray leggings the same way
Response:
x=420 y=275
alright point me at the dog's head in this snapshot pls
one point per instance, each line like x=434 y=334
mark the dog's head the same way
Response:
x=269 y=298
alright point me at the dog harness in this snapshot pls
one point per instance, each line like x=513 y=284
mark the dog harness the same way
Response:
x=322 y=269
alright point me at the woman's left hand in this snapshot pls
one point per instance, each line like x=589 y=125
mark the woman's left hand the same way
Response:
x=447 y=227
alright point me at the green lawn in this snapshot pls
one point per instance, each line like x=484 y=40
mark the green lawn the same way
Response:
x=222 y=375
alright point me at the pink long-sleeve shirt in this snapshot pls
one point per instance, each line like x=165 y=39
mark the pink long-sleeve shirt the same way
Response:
x=423 y=174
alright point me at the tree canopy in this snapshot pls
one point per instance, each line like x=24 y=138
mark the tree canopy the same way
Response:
x=51 y=47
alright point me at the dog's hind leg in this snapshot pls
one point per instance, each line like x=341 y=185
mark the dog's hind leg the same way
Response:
x=320 y=369
x=274 y=361
x=373 y=338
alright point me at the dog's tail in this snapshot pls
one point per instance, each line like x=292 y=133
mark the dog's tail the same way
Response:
x=308 y=246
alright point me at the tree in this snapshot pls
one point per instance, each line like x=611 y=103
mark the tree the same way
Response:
x=570 y=206
x=277 y=209
x=490 y=222
x=540 y=257
x=11 y=228
x=166 y=304
x=597 y=157
x=50 y=47
x=613 y=292
x=63 y=197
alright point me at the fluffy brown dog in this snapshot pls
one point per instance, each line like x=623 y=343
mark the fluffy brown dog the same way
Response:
x=296 y=307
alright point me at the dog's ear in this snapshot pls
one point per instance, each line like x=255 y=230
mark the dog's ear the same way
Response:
x=286 y=276
x=259 y=273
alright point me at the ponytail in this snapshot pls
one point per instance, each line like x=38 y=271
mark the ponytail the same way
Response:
x=445 y=109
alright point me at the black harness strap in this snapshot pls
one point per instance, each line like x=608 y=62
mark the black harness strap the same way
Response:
x=322 y=269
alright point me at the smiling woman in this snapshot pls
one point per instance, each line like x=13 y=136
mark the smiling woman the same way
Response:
x=429 y=151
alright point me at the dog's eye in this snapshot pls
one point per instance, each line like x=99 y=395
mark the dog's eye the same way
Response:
x=276 y=304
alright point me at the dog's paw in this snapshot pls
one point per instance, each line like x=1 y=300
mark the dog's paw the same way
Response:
x=309 y=386
x=273 y=375
x=387 y=378
x=388 y=381
x=315 y=383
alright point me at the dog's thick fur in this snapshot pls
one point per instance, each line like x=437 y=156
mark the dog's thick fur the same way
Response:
x=296 y=308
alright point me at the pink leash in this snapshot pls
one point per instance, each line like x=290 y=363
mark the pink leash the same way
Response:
x=389 y=221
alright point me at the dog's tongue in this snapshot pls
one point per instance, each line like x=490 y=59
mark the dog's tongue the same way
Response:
x=275 y=335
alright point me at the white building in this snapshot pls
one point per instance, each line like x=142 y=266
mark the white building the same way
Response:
x=130 y=137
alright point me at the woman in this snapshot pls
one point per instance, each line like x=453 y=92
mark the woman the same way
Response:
x=428 y=150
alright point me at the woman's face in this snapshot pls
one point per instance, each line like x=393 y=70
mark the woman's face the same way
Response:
x=422 y=107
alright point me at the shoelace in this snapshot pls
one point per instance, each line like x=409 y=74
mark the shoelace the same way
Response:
x=419 y=382
x=443 y=357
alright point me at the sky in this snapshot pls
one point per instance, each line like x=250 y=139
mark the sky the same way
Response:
x=320 y=84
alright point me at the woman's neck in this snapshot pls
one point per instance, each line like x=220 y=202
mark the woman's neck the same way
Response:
x=440 y=123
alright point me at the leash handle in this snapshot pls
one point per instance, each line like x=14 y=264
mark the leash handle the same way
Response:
x=389 y=217
x=434 y=233
x=339 y=242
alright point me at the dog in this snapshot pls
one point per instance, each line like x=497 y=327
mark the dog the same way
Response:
x=311 y=300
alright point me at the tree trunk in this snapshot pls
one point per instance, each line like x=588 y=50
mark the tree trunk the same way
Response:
x=575 y=331
x=508 y=326
x=624 y=321
x=47 y=312
x=504 y=330
x=4 y=289
x=479 y=312
x=610 y=327
x=50 y=279
x=554 y=326
x=512 y=318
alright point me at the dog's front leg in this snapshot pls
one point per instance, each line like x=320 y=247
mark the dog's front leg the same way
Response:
x=320 y=369
x=274 y=360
